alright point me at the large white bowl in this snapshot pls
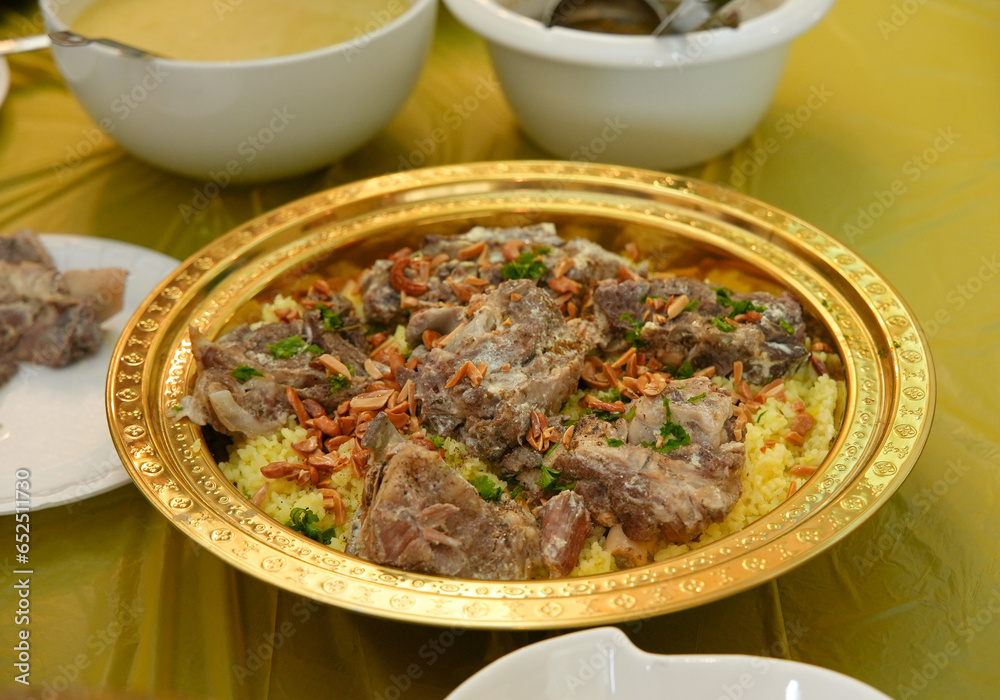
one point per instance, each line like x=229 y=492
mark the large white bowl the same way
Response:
x=602 y=664
x=247 y=120
x=662 y=103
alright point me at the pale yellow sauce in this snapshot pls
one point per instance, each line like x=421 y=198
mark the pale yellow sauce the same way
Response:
x=232 y=30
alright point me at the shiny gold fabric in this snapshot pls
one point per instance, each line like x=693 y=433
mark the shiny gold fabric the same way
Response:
x=885 y=132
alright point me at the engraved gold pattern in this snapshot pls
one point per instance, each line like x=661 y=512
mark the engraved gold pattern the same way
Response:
x=887 y=417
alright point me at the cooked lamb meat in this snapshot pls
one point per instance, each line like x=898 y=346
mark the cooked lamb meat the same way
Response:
x=532 y=359
x=274 y=356
x=424 y=517
x=696 y=404
x=703 y=326
x=24 y=246
x=675 y=493
x=450 y=270
x=565 y=525
x=47 y=317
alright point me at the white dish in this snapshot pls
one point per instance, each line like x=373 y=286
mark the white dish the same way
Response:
x=4 y=79
x=601 y=664
x=52 y=421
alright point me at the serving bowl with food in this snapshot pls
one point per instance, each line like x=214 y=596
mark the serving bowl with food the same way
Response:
x=521 y=394
x=243 y=91
x=662 y=102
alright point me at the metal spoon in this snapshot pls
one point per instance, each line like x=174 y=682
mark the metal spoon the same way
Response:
x=67 y=38
x=637 y=16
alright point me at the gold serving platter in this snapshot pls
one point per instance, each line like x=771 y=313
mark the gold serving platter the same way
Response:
x=675 y=222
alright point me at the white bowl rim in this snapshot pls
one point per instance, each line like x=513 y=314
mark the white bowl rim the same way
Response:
x=513 y=30
x=415 y=9
x=535 y=654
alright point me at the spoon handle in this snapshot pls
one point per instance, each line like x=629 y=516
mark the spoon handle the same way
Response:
x=73 y=39
x=22 y=44
x=689 y=15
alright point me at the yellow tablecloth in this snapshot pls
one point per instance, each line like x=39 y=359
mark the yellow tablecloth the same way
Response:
x=883 y=100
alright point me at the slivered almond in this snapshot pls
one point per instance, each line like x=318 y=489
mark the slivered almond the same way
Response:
x=624 y=358
x=460 y=374
x=564 y=285
x=439 y=259
x=334 y=503
x=514 y=296
x=568 y=436
x=612 y=407
x=444 y=340
x=675 y=307
x=476 y=281
x=625 y=274
x=737 y=371
x=471 y=251
x=656 y=384
x=429 y=337
x=327 y=425
x=507 y=322
x=794 y=438
x=296 y=402
x=463 y=291
x=511 y=249
x=505 y=368
x=261 y=494
x=571 y=310
x=372 y=369
x=371 y=401
x=335 y=442
x=562 y=267
x=707 y=372
x=333 y=365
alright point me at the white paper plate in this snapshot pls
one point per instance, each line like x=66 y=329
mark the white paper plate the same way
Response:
x=602 y=664
x=52 y=421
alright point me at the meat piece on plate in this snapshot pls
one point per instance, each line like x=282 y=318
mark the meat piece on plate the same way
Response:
x=674 y=481
x=565 y=525
x=450 y=270
x=24 y=246
x=242 y=376
x=421 y=516
x=681 y=319
x=513 y=354
x=696 y=404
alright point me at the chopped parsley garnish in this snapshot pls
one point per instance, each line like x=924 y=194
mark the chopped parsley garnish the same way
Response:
x=551 y=450
x=548 y=479
x=699 y=397
x=761 y=415
x=609 y=416
x=516 y=491
x=896 y=345
x=526 y=266
x=738 y=307
x=787 y=327
x=292 y=346
x=338 y=382
x=631 y=413
x=437 y=441
x=615 y=442
x=243 y=373
x=826 y=303
x=331 y=319
x=177 y=407
x=488 y=490
x=692 y=305
x=673 y=434
x=634 y=335
x=683 y=371
x=723 y=326
x=304 y=520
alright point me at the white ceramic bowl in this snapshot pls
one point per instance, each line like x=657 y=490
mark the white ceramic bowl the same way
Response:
x=602 y=664
x=661 y=103
x=247 y=120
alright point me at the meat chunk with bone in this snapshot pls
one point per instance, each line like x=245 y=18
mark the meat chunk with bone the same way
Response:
x=450 y=270
x=274 y=356
x=651 y=490
x=420 y=516
x=704 y=326
x=565 y=525
x=512 y=355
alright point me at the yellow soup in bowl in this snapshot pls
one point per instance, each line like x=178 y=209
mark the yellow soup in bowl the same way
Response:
x=235 y=30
